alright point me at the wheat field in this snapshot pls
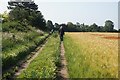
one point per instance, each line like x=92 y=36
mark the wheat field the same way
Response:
x=92 y=55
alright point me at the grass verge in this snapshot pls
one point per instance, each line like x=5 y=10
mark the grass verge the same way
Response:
x=44 y=65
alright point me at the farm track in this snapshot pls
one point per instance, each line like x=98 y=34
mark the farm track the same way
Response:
x=63 y=73
x=25 y=63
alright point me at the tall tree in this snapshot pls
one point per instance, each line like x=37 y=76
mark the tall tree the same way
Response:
x=94 y=27
x=26 y=12
x=30 y=5
x=57 y=26
x=18 y=14
x=82 y=27
x=119 y=30
x=70 y=26
x=100 y=28
x=109 y=26
x=78 y=24
x=50 y=25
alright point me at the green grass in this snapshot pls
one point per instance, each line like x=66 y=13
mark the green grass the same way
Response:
x=18 y=47
x=11 y=57
x=44 y=65
x=74 y=60
x=21 y=38
x=80 y=60
x=18 y=41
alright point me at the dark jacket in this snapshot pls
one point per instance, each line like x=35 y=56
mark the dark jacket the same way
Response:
x=61 y=31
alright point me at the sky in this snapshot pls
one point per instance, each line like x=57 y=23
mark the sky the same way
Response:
x=82 y=11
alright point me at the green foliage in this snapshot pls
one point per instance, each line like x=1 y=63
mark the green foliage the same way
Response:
x=109 y=26
x=15 y=39
x=27 y=13
x=5 y=16
x=94 y=28
x=31 y=17
x=57 y=26
x=11 y=56
x=36 y=19
x=119 y=30
x=18 y=14
x=9 y=43
x=43 y=66
x=82 y=27
x=70 y=26
x=49 y=25
x=17 y=44
x=14 y=26
x=26 y=5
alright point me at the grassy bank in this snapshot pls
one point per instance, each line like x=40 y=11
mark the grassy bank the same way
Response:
x=44 y=65
x=18 y=41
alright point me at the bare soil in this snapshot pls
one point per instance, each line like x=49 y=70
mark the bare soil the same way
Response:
x=107 y=37
x=98 y=34
x=112 y=37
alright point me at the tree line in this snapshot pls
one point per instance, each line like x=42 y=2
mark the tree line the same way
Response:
x=70 y=27
x=24 y=14
x=28 y=14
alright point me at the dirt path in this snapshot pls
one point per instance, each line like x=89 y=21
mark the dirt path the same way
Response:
x=63 y=73
x=24 y=64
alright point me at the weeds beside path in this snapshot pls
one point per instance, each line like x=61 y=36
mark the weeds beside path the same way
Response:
x=44 y=64
x=30 y=58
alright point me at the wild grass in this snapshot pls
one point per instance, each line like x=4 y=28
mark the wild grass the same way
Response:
x=18 y=41
x=44 y=65
x=19 y=52
x=90 y=56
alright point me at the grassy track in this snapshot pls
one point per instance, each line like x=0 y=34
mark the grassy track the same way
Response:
x=20 y=52
x=91 y=56
x=43 y=66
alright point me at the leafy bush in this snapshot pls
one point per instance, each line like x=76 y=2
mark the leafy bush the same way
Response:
x=9 y=43
x=14 y=26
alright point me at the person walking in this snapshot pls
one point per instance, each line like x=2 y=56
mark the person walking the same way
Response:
x=61 y=33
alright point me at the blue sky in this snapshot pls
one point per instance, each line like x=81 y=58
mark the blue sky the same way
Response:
x=82 y=11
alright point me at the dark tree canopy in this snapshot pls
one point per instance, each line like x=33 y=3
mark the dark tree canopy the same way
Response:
x=109 y=26
x=49 y=25
x=27 y=5
x=94 y=28
x=56 y=26
x=26 y=12
x=119 y=30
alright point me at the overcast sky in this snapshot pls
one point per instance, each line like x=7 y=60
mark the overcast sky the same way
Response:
x=82 y=11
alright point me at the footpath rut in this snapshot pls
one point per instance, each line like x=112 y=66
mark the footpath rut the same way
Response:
x=24 y=64
x=63 y=73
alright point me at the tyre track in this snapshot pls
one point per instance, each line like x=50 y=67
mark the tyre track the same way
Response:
x=25 y=63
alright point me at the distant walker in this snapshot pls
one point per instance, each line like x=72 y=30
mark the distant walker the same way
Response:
x=61 y=32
